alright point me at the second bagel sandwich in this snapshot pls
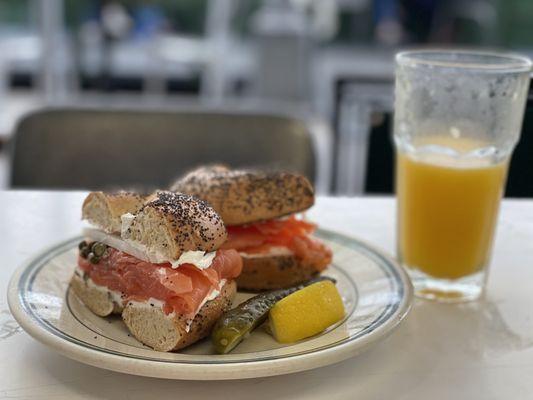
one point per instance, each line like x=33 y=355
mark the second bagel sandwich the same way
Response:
x=259 y=209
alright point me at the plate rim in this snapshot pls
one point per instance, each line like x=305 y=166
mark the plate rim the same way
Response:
x=215 y=371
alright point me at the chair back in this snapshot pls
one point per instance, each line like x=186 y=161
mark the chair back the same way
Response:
x=107 y=149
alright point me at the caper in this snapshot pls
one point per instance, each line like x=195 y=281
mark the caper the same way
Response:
x=93 y=259
x=82 y=245
x=85 y=252
x=98 y=249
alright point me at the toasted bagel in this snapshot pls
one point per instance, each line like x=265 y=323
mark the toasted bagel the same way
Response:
x=170 y=224
x=104 y=209
x=246 y=196
x=97 y=298
x=275 y=270
x=168 y=332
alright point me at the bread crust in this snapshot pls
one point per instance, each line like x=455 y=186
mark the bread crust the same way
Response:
x=104 y=209
x=163 y=332
x=172 y=223
x=98 y=300
x=262 y=272
x=246 y=196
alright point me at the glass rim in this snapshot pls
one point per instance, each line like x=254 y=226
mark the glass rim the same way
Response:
x=443 y=58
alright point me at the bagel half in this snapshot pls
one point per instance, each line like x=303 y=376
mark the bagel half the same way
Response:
x=171 y=223
x=97 y=298
x=163 y=332
x=246 y=196
x=276 y=270
x=105 y=209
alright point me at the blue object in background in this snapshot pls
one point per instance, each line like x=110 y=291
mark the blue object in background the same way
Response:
x=385 y=10
x=148 y=20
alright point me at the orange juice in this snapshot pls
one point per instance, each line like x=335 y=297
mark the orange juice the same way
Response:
x=447 y=212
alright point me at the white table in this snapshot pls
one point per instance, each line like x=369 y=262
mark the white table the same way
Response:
x=475 y=351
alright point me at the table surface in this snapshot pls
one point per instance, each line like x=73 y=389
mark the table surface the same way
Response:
x=480 y=350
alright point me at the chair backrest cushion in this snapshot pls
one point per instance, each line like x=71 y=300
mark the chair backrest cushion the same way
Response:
x=106 y=149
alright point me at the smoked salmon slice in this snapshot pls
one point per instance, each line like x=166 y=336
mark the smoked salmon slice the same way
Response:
x=292 y=233
x=182 y=289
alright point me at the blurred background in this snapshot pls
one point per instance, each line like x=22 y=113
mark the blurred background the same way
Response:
x=107 y=93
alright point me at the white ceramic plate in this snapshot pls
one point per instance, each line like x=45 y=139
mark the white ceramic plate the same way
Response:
x=377 y=295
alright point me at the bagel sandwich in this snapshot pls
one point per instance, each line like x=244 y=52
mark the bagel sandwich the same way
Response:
x=259 y=209
x=164 y=270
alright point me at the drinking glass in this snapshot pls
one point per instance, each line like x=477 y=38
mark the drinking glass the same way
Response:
x=458 y=117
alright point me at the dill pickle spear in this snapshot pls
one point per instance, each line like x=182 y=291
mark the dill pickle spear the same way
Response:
x=237 y=323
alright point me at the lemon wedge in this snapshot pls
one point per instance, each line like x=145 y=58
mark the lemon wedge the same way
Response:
x=306 y=312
